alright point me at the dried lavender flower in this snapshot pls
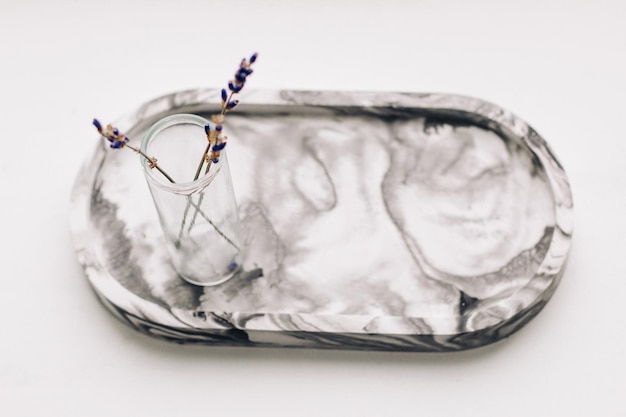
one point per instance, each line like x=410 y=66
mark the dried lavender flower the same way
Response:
x=214 y=137
x=118 y=140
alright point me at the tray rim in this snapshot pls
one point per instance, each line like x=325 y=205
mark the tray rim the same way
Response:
x=186 y=101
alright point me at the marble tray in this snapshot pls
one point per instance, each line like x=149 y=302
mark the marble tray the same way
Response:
x=383 y=221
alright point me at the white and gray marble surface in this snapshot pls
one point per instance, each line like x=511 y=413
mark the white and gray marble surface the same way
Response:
x=385 y=221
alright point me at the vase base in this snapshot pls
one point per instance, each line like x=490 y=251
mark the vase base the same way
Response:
x=215 y=281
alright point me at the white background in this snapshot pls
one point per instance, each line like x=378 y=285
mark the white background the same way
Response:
x=559 y=65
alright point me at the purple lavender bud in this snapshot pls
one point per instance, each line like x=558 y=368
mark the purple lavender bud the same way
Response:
x=240 y=76
x=224 y=94
x=218 y=147
x=97 y=124
x=232 y=266
x=215 y=160
x=116 y=131
x=235 y=88
x=219 y=128
x=253 y=57
x=231 y=104
x=247 y=71
x=116 y=144
x=207 y=128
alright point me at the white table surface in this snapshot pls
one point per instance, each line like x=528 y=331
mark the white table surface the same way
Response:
x=559 y=65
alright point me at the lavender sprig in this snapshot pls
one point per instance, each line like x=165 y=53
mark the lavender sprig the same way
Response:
x=118 y=140
x=216 y=140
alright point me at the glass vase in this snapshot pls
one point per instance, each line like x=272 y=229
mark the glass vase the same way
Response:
x=199 y=218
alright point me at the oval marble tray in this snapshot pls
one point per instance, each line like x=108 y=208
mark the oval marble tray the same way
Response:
x=384 y=221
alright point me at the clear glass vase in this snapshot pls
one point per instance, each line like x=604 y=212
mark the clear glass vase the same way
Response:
x=199 y=219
